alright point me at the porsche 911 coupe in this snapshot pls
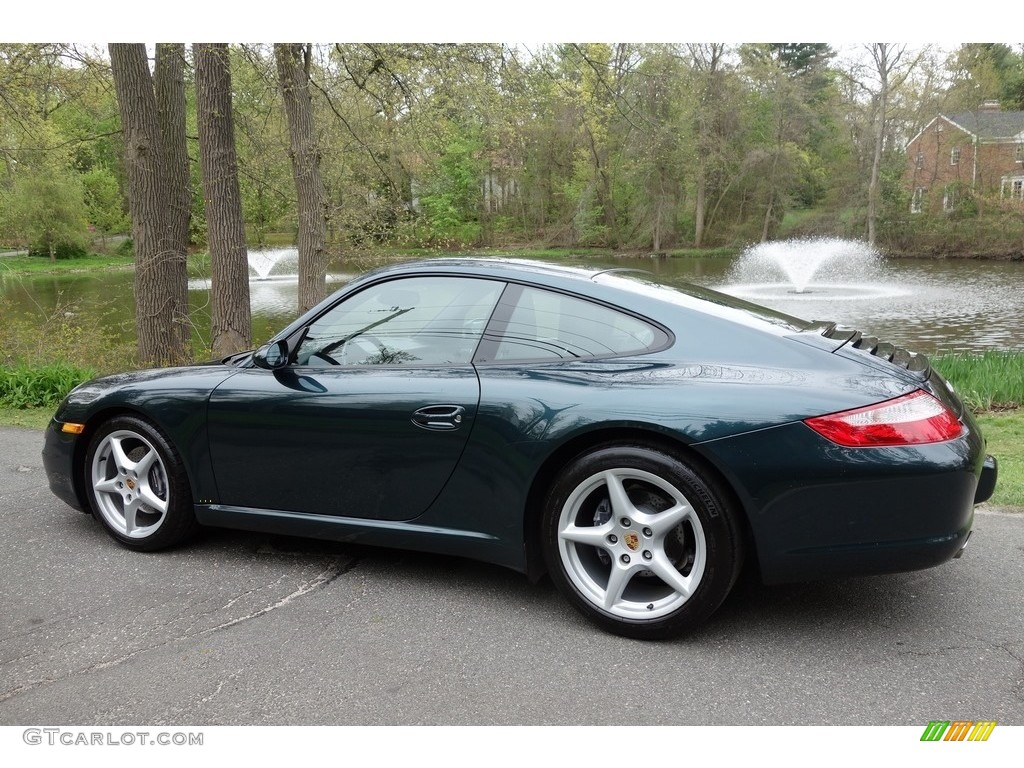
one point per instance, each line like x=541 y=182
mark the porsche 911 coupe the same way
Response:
x=636 y=442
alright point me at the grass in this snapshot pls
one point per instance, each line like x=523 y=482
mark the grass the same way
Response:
x=31 y=418
x=986 y=382
x=704 y=253
x=21 y=265
x=1005 y=435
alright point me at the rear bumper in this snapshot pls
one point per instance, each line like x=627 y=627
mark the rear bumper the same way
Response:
x=987 y=480
x=817 y=510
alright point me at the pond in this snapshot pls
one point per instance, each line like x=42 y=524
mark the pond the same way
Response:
x=925 y=305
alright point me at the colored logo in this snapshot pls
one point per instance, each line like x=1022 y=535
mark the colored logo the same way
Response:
x=958 y=730
x=632 y=541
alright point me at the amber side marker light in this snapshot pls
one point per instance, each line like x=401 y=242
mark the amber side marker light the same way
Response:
x=913 y=419
x=71 y=428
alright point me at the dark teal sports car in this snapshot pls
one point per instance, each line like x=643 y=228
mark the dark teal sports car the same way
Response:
x=638 y=443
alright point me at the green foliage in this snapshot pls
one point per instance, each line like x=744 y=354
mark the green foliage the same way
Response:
x=51 y=214
x=125 y=248
x=589 y=144
x=60 y=251
x=90 y=340
x=26 y=386
x=104 y=202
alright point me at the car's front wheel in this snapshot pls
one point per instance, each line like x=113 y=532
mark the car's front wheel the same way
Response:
x=643 y=542
x=137 y=485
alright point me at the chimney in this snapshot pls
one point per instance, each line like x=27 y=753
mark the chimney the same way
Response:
x=990 y=105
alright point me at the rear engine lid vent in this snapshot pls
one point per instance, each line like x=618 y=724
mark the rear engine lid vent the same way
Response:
x=852 y=339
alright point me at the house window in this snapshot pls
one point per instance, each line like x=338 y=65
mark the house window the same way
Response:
x=954 y=156
x=1020 y=153
x=949 y=199
x=917 y=201
x=920 y=159
x=1013 y=186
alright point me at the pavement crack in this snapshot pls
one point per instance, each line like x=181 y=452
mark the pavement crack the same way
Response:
x=1018 y=686
x=338 y=567
x=333 y=571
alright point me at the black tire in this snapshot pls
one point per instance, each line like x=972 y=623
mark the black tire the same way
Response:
x=137 y=485
x=643 y=542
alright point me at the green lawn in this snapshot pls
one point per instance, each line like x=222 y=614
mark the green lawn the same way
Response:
x=34 y=418
x=1005 y=435
x=35 y=264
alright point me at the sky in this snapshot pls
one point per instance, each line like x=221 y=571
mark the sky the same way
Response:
x=479 y=21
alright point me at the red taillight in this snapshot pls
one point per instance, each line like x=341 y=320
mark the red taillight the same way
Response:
x=913 y=419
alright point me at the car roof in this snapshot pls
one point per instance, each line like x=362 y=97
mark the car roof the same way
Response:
x=633 y=289
x=613 y=284
x=500 y=266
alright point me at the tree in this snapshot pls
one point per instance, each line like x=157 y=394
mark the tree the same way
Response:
x=711 y=117
x=231 y=323
x=169 y=85
x=51 y=212
x=292 y=62
x=161 y=299
x=892 y=66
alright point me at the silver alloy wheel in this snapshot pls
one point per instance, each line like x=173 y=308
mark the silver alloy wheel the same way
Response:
x=129 y=483
x=631 y=543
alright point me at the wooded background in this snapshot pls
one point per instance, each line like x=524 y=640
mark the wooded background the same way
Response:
x=350 y=146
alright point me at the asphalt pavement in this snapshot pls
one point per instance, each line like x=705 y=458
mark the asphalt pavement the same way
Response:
x=250 y=629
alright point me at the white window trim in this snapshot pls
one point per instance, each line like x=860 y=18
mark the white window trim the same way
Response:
x=1012 y=187
x=917 y=200
x=954 y=156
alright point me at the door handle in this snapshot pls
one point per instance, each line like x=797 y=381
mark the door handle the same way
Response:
x=439 y=417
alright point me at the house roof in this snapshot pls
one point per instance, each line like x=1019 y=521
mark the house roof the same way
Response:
x=990 y=124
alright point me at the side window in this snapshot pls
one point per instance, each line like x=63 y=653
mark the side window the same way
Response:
x=410 y=321
x=544 y=325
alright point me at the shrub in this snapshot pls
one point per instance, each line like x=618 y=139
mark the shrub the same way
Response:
x=24 y=386
x=60 y=251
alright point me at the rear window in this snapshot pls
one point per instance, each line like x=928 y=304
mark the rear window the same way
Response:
x=698 y=297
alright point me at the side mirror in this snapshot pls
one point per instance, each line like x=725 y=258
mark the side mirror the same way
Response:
x=271 y=356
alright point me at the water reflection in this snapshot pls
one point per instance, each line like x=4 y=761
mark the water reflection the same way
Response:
x=925 y=305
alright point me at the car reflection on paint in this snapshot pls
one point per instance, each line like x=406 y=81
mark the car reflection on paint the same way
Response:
x=639 y=443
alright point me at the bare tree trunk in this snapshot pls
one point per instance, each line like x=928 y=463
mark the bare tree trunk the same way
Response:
x=305 y=157
x=231 y=321
x=169 y=84
x=880 y=52
x=892 y=70
x=161 y=281
x=700 y=205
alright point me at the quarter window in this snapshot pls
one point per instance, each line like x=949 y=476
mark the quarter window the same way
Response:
x=536 y=324
x=412 y=321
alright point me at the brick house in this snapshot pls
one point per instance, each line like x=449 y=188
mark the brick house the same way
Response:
x=981 y=151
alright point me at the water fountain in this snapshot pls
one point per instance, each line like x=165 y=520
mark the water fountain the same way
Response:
x=814 y=269
x=263 y=262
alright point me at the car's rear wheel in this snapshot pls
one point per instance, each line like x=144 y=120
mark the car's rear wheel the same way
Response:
x=643 y=542
x=137 y=485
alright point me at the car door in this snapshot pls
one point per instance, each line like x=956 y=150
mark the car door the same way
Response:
x=370 y=417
